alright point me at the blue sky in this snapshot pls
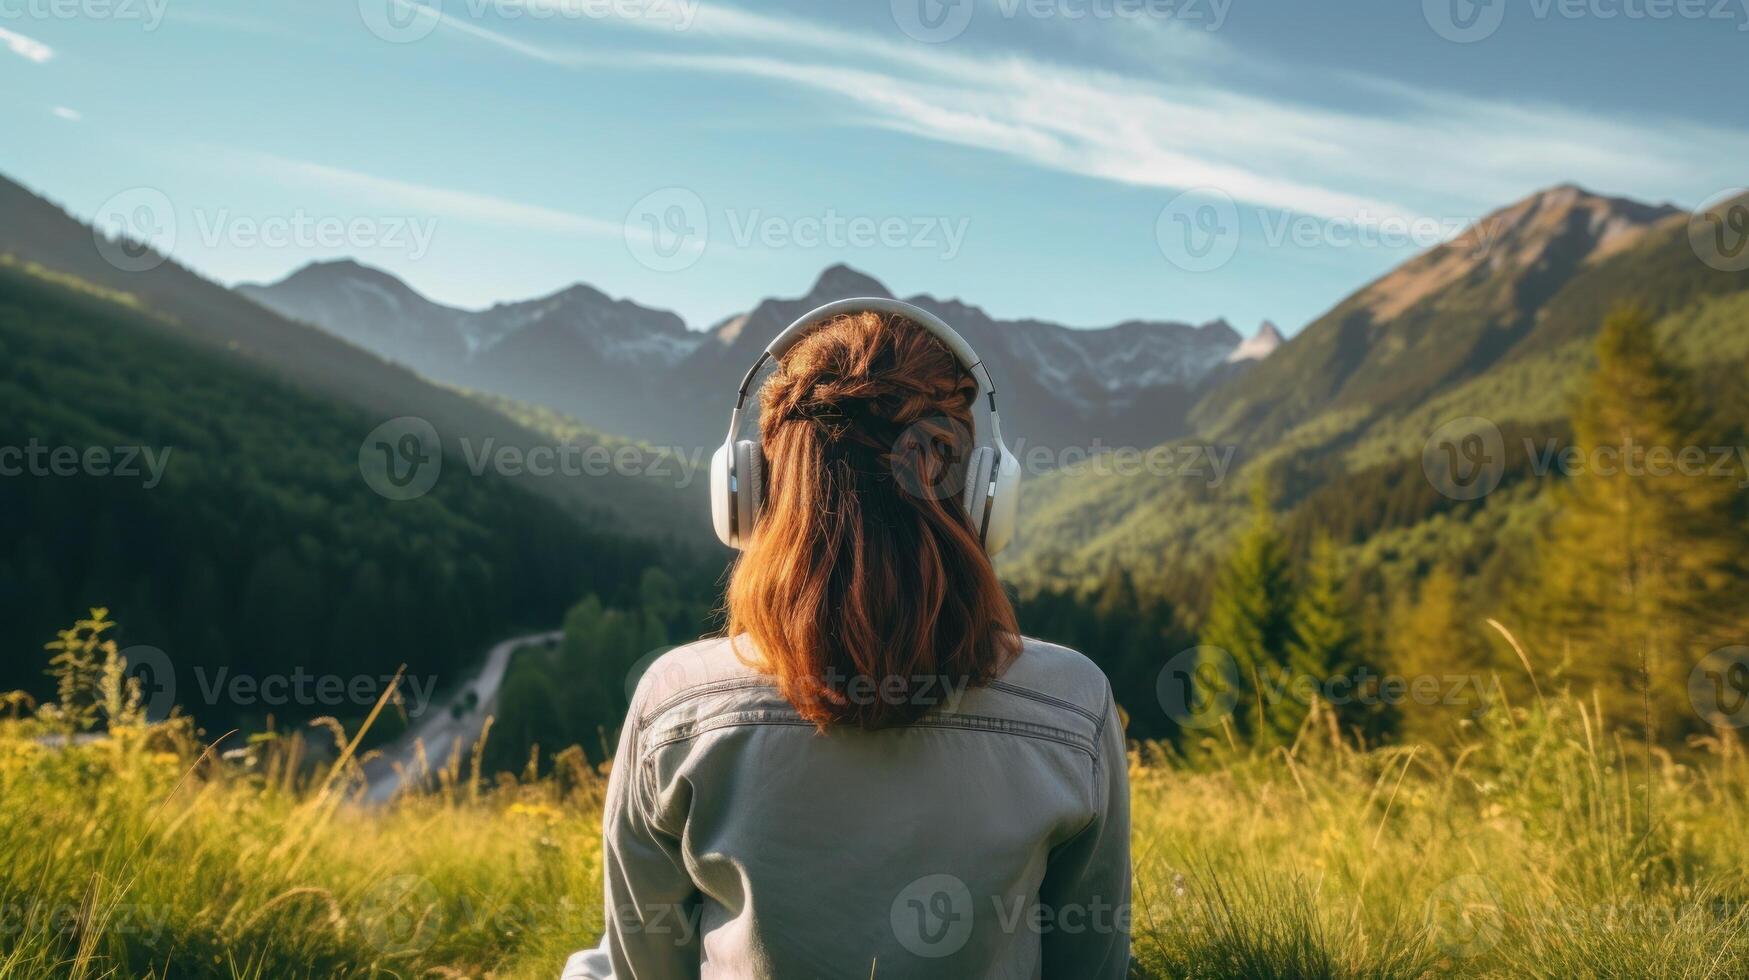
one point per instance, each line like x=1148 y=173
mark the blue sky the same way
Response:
x=1085 y=161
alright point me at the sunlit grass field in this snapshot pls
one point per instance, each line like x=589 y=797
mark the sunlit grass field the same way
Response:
x=1543 y=846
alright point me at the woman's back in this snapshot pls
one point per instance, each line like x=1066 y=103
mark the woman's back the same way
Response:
x=876 y=776
x=986 y=839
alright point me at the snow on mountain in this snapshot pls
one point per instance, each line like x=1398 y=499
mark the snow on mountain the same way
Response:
x=1259 y=345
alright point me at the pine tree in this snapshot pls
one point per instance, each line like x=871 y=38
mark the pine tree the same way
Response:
x=1432 y=635
x=1638 y=572
x=1325 y=642
x=1251 y=620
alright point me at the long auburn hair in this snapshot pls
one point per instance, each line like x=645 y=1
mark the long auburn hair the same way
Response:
x=864 y=587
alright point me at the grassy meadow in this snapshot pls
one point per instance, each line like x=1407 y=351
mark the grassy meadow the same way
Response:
x=1542 y=845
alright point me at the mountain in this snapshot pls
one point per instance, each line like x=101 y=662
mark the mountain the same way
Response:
x=1497 y=324
x=36 y=234
x=375 y=311
x=639 y=372
x=1443 y=316
x=1257 y=346
x=577 y=350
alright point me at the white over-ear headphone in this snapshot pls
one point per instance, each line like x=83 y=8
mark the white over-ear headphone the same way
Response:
x=992 y=491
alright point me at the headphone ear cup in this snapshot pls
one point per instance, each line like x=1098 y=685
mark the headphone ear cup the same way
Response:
x=749 y=489
x=722 y=497
x=977 y=492
x=1004 y=516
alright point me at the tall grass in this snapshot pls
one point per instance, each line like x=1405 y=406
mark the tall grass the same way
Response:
x=1541 y=846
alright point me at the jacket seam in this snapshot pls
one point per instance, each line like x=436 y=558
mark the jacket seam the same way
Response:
x=963 y=722
x=1027 y=692
x=702 y=690
x=1099 y=739
x=690 y=730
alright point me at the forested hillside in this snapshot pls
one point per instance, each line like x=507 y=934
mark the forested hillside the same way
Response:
x=256 y=545
x=1336 y=545
x=35 y=232
x=1339 y=417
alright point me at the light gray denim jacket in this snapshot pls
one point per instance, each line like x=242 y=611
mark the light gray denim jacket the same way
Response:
x=988 y=839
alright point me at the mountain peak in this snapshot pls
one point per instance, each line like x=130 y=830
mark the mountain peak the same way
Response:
x=1560 y=227
x=1259 y=345
x=840 y=281
x=1570 y=196
x=579 y=292
x=348 y=268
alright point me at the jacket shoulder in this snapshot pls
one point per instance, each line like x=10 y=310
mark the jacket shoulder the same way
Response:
x=709 y=664
x=1058 y=672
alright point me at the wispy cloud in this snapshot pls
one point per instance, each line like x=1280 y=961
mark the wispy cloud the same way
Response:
x=428 y=200
x=1409 y=153
x=27 y=48
x=71 y=115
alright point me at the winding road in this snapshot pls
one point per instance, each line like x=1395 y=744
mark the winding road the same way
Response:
x=447 y=729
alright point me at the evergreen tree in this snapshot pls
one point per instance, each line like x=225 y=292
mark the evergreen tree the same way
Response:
x=1325 y=642
x=1433 y=637
x=1638 y=574
x=1250 y=619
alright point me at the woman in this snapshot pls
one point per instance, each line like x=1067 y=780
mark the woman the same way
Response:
x=873 y=774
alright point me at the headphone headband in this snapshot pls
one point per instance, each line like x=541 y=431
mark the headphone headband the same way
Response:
x=804 y=325
x=820 y=315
